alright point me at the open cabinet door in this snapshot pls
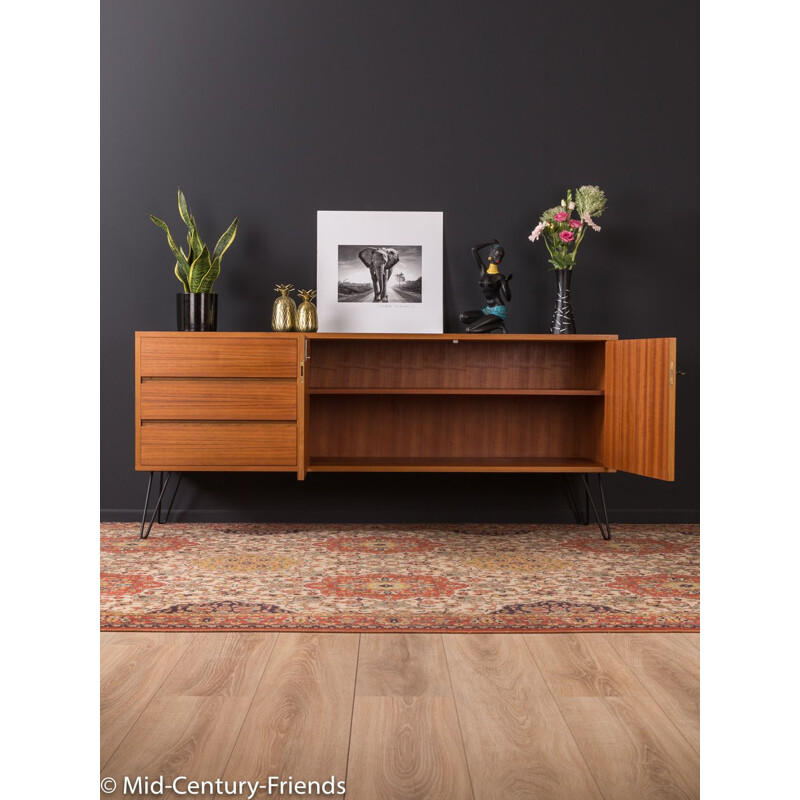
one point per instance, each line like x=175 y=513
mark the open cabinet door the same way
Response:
x=640 y=407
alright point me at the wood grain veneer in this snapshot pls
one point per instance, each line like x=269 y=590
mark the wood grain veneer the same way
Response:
x=455 y=427
x=640 y=407
x=207 y=401
x=303 y=405
x=404 y=402
x=455 y=364
x=217 y=399
x=185 y=445
x=209 y=355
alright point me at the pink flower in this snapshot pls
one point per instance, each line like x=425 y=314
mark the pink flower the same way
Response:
x=590 y=222
x=537 y=231
x=561 y=216
x=574 y=223
x=566 y=236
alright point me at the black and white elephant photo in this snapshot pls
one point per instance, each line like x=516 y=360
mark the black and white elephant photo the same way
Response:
x=367 y=274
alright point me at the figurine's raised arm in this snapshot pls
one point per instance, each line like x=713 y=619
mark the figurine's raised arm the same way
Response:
x=476 y=253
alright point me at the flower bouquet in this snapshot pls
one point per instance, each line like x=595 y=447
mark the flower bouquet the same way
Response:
x=562 y=234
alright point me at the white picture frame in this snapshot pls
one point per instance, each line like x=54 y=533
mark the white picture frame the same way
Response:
x=399 y=291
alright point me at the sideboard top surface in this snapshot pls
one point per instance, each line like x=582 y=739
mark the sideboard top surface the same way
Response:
x=523 y=337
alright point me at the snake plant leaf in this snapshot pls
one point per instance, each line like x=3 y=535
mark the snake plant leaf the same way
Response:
x=182 y=276
x=183 y=210
x=199 y=248
x=207 y=284
x=199 y=272
x=176 y=251
x=225 y=240
x=163 y=225
x=192 y=237
x=197 y=245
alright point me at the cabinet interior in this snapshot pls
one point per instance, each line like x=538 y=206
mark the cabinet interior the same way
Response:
x=455 y=404
x=455 y=364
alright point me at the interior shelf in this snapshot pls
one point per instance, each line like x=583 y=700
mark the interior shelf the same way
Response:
x=445 y=464
x=470 y=391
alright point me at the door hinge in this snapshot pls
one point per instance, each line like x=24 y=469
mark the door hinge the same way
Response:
x=305 y=349
x=671 y=373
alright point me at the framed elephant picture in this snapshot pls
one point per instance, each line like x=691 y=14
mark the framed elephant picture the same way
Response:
x=379 y=271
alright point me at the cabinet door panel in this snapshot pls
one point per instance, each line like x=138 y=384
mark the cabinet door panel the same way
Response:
x=640 y=407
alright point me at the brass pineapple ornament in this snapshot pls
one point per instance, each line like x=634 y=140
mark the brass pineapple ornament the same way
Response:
x=306 y=319
x=284 y=309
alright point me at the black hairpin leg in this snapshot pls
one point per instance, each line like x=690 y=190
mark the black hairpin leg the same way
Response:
x=606 y=531
x=146 y=504
x=162 y=488
x=171 y=502
x=573 y=503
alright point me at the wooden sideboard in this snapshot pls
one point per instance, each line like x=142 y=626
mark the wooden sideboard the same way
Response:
x=404 y=403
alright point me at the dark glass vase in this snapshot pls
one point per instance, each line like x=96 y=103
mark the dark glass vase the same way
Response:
x=197 y=312
x=562 y=316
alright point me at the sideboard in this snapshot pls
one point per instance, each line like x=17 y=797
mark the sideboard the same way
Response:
x=328 y=402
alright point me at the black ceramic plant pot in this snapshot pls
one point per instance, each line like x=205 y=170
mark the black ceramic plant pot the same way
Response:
x=562 y=316
x=197 y=312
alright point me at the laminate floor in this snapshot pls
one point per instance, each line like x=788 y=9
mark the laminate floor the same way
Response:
x=402 y=716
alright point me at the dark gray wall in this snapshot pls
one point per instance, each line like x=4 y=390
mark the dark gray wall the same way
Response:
x=271 y=110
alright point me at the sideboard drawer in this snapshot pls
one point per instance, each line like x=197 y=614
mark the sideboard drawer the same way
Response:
x=213 y=399
x=218 y=444
x=207 y=356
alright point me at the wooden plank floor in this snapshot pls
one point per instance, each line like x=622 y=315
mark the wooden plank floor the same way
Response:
x=406 y=716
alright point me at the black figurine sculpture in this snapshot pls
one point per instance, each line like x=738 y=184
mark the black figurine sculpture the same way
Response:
x=494 y=285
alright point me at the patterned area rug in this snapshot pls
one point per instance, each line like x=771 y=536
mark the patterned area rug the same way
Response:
x=400 y=578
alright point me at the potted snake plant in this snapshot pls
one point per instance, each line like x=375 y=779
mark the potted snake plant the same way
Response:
x=197 y=271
